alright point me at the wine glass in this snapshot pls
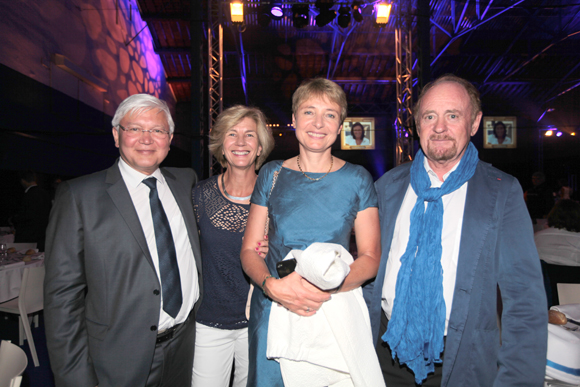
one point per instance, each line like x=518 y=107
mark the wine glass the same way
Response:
x=3 y=253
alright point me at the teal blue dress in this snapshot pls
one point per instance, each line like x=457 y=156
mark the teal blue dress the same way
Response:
x=301 y=212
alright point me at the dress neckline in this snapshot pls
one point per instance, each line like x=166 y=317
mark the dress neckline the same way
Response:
x=216 y=178
x=314 y=173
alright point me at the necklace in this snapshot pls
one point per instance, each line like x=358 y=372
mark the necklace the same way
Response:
x=241 y=198
x=320 y=178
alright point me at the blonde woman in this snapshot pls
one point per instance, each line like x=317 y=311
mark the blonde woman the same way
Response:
x=316 y=198
x=240 y=141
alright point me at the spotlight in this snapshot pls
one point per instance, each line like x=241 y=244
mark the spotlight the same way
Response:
x=300 y=15
x=264 y=15
x=383 y=13
x=344 y=17
x=237 y=10
x=325 y=15
x=549 y=133
x=276 y=12
x=558 y=134
x=356 y=11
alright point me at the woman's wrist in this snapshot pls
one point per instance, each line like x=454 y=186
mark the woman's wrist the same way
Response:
x=336 y=290
x=264 y=284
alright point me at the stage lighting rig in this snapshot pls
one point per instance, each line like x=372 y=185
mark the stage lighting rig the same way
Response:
x=276 y=11
x=356 y=11
x=264 y=15
x=383 y=12
x=325 y=14
x=237 y=12
x=300 y=15
x=344 y=17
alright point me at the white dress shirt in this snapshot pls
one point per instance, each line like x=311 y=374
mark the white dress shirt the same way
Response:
x=558 y=246
x=187 y=268
x=453 y=206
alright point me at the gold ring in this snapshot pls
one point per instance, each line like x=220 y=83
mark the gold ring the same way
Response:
x=307 y=309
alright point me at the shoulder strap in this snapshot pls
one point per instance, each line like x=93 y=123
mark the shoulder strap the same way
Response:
x=274 y=178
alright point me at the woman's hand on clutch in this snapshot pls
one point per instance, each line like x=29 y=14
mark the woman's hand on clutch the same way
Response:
x=296 y=294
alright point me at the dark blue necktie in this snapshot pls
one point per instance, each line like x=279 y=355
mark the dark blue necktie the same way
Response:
x=168 y=269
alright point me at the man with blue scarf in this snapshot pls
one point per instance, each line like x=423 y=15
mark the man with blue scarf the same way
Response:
x=456 y=233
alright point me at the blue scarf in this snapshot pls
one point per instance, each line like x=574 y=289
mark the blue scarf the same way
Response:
x=417 y=326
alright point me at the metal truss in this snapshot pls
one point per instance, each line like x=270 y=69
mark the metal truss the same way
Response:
x=404 y=76
x=215 y=35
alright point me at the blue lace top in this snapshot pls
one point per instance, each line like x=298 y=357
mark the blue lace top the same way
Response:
x=225 y=287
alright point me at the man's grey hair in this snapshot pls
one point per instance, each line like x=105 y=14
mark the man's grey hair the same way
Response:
x=140 y=103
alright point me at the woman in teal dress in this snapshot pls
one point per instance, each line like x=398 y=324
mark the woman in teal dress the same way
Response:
x=316 y=198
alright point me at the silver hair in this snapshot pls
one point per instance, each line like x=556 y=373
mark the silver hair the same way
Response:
x=141 y=103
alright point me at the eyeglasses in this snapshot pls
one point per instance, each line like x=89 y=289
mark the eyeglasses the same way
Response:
x=136 y=132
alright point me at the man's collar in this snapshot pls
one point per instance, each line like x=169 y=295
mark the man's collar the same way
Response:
x=432 y=173
x=133 y=177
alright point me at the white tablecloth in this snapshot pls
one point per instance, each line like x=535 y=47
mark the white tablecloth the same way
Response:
x=7 y=238
x=11 y=278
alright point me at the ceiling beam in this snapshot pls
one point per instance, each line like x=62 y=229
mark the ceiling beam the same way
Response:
x=178 y=79
x=173 y=50
x=457 y=36
x=165 y=16
x=363 y=81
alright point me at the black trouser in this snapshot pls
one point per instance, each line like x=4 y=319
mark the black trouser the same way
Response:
x=173 y=359
x=397 y=375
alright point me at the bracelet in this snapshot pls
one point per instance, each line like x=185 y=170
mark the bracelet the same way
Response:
x=264 y=283
x=338 y=288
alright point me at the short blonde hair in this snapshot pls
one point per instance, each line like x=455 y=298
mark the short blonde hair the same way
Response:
x=321 y=88
x=230 y=118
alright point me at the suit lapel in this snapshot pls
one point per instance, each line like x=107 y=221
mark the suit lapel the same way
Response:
x=478 y=219
x=120 y=196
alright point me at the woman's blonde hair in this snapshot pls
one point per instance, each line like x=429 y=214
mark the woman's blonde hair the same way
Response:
x=230 y=118
x=321 y=88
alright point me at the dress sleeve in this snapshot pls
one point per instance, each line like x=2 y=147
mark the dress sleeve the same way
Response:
x=367 y=192
x=263 y=184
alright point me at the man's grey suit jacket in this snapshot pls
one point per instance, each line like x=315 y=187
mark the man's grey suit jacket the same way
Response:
x=101 y=289
x=497 y=248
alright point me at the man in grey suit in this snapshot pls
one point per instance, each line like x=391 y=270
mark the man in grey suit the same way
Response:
x=123 y=263
x=453 y=231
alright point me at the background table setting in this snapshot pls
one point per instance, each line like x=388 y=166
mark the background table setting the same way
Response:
x=6 y=235
x=563 y=363
x=12 y=265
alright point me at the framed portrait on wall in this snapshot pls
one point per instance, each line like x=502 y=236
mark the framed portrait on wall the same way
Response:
x=358 y=133
x=499 y=132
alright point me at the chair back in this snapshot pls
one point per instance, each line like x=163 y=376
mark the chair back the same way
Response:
x=569 y=293
x=13 y=362
x=31 y=298
x=21 y=246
